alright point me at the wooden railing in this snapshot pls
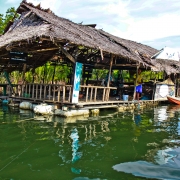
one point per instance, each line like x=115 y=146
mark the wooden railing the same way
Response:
x=95 y=93
x=60 y=93
x=43 y=92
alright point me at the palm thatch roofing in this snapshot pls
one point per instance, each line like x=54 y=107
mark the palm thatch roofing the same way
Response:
x=44 y=36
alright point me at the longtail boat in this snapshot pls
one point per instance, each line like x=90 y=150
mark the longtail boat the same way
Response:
x=175 y=100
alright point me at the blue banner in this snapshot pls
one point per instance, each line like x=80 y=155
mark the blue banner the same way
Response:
x=77 y=81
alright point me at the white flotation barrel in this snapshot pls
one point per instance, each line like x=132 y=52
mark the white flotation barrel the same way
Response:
x=26 y=105
x=44 y=109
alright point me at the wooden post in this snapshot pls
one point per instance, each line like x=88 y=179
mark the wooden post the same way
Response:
x=23 y=74
x=87 y=92
x=33 y=91
x=45 y=96
x=134 y=95
x=30 y=89
x=53 y=74
x=154 y=86
x=26 y=88
x=40 y=91
x=175 y=85
x=177 y=92
x=22 y=93
x=49 y=91
x=59 y=93
x=91 y=93
x=164 y=74
x=70 y=90
x=36 y=91
x=64 y=93
x=103 y=97
x=72 y=80
x=95 y=94
x=44 y=73
x=110 y=68
x=54 y=89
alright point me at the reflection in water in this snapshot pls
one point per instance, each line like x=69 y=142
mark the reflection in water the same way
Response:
x=168 y=168
x=165 y=162
x=149 y=170
x=160 y=114
x=169 y=157
x=112 y=139
x=75 y=146
x=5 y=108
x=137 y=119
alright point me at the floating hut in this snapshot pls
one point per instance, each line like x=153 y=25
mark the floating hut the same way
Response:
x=38 y=36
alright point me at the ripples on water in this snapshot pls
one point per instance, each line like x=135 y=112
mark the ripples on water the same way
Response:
x=114 y=145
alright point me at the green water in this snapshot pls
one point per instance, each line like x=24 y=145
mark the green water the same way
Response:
x=113 y=145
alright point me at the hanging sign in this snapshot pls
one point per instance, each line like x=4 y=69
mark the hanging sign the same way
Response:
x=77 y=79
x=18 y=57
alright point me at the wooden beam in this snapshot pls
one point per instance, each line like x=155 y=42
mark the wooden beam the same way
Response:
x=66 y=53
x=42 y=50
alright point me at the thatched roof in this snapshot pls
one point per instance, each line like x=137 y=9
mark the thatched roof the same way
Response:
x=42 y=35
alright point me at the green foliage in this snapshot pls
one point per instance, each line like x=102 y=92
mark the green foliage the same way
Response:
x=29 y=77
x=99 y=74
x=15 y=77
x=46 y=74
x=4 y=20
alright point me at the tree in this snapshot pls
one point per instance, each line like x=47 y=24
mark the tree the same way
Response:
x=11 y=15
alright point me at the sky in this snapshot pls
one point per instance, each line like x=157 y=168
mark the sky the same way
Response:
x=150 y=22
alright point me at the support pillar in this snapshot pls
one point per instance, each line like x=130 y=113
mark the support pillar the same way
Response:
x=110 y=69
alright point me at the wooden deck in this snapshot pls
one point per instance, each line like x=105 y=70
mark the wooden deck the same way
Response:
x=90 y=96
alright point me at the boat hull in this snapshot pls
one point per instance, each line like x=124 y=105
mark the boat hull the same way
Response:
x=174 y=100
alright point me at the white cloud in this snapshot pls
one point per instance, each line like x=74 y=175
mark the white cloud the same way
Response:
x=52 y=4
x=12 y=1
x=153 y=28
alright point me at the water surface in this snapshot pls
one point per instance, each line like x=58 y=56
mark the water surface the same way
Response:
x=114 y=145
